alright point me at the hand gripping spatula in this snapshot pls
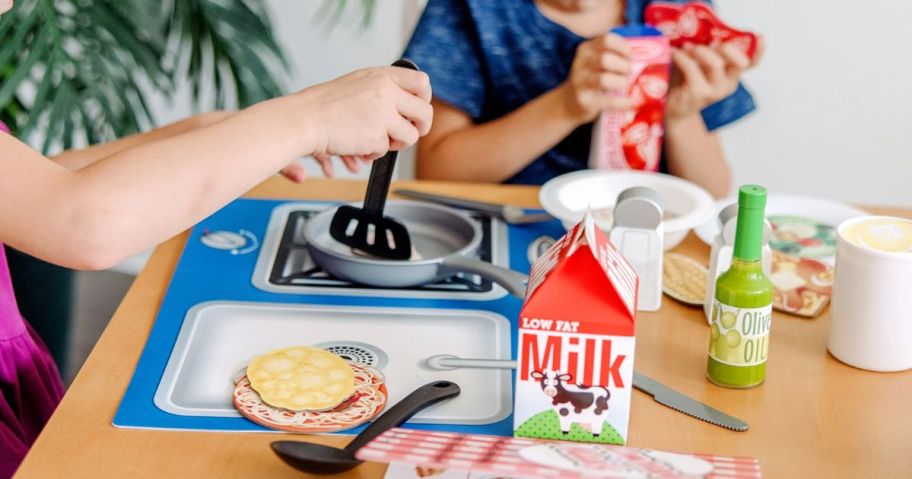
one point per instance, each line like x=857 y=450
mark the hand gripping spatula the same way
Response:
x=365 y=229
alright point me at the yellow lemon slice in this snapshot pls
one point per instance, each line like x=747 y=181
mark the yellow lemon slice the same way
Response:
x=301 y=379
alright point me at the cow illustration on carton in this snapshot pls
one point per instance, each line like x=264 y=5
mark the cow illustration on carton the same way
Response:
x=576 y=342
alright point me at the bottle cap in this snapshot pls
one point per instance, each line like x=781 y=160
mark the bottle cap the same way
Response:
x=752 y=197
x=751 y=222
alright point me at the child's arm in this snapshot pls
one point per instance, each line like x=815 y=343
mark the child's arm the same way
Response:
x=695 y=154
x=703 y=75
x=457 y=149
x=96 y=216
x=77 y=159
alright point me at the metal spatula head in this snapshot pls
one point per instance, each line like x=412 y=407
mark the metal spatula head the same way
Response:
x=366 y=229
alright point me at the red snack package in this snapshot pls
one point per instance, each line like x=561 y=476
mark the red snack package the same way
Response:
x=633 y=140
x=697 y=23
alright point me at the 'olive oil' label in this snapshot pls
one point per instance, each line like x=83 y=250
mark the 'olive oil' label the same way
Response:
x=740 y=336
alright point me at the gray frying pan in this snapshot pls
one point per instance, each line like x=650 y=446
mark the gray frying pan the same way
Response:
x=443 y=238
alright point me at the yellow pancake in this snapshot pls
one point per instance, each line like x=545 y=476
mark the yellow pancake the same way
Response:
x=301 y=379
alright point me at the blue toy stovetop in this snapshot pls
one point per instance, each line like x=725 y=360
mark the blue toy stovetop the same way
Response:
x=219 y=270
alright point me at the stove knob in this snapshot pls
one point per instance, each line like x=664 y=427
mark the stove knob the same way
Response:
x=223 y=240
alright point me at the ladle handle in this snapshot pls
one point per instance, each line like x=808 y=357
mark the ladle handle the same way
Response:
x=402 y=411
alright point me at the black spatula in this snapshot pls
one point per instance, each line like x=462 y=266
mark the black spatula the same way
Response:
x=366 y=229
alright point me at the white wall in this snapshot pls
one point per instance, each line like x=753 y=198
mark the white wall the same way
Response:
x=318 y=54
x=834 y=94
x=835 y=100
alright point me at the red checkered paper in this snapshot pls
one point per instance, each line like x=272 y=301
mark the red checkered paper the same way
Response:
x=528 y=458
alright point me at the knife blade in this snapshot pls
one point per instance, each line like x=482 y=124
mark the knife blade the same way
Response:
x=679 y=402
x=511 y=214
x=490 y=208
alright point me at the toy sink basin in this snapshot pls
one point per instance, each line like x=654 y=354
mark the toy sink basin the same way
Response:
x=218 y=339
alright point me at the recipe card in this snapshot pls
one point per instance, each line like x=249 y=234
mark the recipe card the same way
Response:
x=418 y=453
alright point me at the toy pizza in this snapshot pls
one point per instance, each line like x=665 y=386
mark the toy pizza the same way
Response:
x=366 y=403
x=697 y=23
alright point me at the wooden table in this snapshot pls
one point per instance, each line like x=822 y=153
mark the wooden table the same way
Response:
x=814 y=416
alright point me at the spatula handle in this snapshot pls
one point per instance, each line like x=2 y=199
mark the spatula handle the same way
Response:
x=379 y=183
x=382 y=170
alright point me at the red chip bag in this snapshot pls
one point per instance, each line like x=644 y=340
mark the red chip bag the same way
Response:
x=633 y=140
x=697 y=23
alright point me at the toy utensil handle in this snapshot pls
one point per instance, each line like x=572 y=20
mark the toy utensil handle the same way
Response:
x=402 y=411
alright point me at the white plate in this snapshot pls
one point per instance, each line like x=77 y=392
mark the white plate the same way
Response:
x=568 y=196
x=822 y=210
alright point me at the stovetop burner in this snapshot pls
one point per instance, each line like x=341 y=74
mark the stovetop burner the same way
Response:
x=289 y=267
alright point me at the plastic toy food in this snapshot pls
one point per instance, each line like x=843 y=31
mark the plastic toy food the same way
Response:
x=885 y=234
x=576 y=342
x=743 y=303
x=697 y=23
x=802 y=286
x=633 y=140
x=367 y=402
x=802 y=237
x=684 y=279
x=301 y=379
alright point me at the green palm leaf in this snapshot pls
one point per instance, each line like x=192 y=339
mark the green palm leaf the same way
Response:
x=331 y=12
x=79 y=71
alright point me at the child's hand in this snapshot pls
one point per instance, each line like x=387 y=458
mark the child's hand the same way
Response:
x=297 y=173
x=598 y=77
x=704 y=75
x=362 y=115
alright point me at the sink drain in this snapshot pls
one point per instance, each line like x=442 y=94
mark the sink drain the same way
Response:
x=356 y=351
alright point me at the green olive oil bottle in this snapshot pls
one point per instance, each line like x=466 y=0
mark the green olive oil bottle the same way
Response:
x=742 y=309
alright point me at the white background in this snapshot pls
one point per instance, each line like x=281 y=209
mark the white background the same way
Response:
x=835 y=107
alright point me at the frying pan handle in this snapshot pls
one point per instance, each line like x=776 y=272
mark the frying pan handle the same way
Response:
x=513 y=281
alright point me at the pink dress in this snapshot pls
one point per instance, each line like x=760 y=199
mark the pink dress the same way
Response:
x=30 y=385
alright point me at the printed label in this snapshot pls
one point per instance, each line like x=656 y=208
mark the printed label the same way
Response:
x=740 y=336
x=572 y=386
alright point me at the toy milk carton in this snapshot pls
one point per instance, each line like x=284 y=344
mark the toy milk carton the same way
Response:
x=574 y=372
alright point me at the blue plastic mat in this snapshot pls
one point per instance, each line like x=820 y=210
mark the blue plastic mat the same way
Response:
x=206 y=274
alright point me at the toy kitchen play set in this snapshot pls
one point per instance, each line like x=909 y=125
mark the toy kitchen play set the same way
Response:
x=247 y=284
x=278 y=316
x=260 y=330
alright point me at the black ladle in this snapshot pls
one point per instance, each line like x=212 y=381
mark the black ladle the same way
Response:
x=322 y=459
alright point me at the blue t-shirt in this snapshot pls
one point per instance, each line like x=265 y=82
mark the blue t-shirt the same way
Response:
x=489 y=58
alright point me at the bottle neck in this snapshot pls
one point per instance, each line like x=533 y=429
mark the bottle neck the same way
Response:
x=749 y=234
x=746 y=267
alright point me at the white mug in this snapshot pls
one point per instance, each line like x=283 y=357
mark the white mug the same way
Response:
x=870 y=316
